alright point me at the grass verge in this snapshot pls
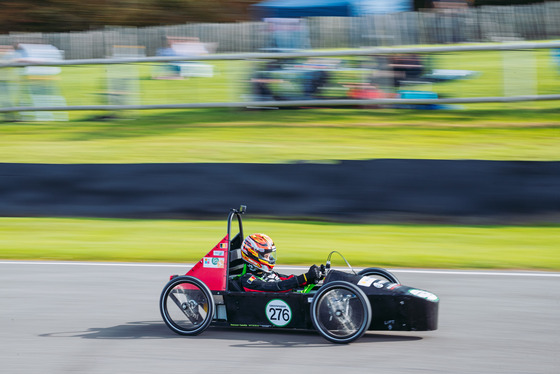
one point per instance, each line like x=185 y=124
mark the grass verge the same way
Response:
x=429 y=246
x=282 y=136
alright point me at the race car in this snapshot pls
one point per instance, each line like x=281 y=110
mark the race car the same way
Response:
x=341 y=307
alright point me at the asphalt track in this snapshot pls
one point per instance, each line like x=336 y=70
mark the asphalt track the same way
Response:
x=104 y=318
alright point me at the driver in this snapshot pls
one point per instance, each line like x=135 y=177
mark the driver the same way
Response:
x=258 y=251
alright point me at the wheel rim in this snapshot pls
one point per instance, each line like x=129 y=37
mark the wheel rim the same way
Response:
x=341 y=314
x=187 y=308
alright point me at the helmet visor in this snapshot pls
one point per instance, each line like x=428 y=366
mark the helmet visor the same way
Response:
x=269 y=257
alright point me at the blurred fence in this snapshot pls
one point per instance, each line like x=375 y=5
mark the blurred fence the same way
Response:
x=425 y=78
x=481 y=24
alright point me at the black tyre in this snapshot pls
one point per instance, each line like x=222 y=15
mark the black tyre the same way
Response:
x=186 y=305
x=341 y=312
x=379 y=273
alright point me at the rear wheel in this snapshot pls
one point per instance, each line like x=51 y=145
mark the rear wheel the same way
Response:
x=379 y=273
x=186 y=305
x=341 y=312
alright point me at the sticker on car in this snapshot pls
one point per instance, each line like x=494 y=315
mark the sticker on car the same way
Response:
x=366 y=281
x=213 y=262
x=424 y=294
x=278 y=312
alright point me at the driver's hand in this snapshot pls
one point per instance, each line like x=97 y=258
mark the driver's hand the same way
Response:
x=313 y=275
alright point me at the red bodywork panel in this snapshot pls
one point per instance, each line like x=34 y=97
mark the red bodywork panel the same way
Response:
x=212 y=268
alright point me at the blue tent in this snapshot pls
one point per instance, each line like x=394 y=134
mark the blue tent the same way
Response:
x=327 y=8
x=303 y=8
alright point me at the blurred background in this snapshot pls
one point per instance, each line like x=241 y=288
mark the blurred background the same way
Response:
x=156 y=35
x=418 y=135
x=92 y=30
x=75 y=142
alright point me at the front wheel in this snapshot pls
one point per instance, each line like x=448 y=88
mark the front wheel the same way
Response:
x=186 y=305
x=378 y=272
x=341 y=312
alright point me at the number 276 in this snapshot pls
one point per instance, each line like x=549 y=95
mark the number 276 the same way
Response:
x=279 y=313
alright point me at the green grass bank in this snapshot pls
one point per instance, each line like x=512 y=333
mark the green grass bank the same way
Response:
x=302 y=243
x=282 y=136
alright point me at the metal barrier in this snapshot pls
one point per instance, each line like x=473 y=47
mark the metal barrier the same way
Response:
x=125 y=98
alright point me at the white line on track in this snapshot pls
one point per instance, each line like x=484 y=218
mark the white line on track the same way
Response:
x=77 y=263
x=300 y=268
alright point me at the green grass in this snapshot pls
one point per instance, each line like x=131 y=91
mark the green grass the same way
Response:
x=287 y=136
x=430 y=246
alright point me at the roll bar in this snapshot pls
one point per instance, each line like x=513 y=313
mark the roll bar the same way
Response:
x=237 y=213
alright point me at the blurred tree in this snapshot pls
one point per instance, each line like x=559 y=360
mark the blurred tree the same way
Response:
x=74 y=15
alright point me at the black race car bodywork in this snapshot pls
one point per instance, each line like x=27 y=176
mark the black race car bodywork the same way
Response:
x=394 y=307
x=342 y=307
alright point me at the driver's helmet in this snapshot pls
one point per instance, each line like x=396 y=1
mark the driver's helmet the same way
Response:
x=259 y=250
